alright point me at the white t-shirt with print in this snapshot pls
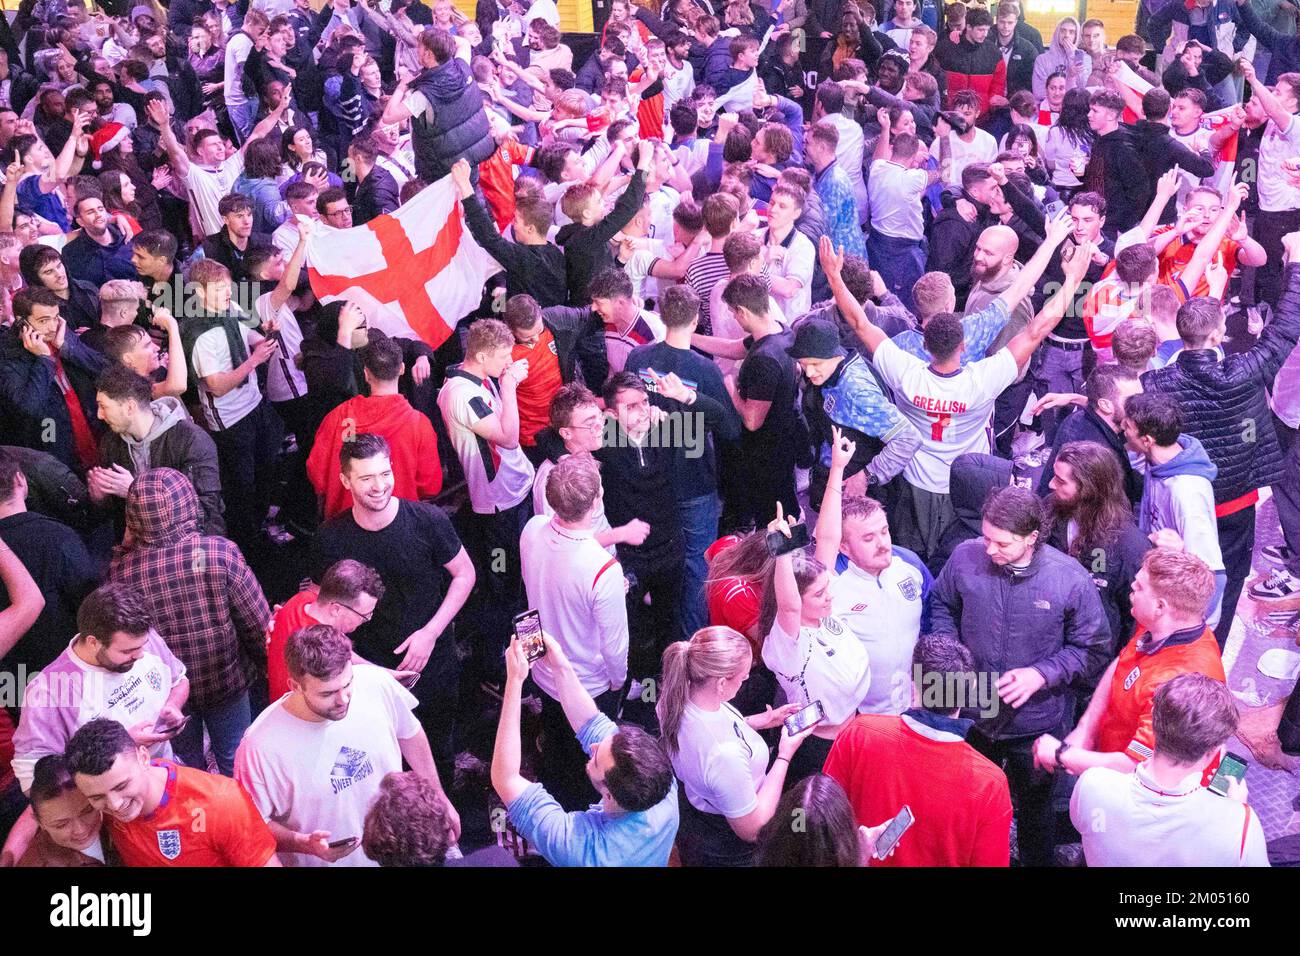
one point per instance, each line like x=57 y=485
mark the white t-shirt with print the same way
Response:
x=212 y=355
x=825 y=663
x=950 y=411
x=884 y=613
x=324 y=776
x=498 y=478
x=1276 y=194
x=284 y=379
x=720 y=760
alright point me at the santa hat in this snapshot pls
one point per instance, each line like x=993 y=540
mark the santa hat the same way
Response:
x=107 y=137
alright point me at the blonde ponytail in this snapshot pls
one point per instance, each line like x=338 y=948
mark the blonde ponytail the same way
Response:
x=711 y=653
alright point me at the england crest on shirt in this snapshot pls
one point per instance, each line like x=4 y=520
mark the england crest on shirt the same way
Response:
x=908 y=587
x=169 y=843
x=154 y=678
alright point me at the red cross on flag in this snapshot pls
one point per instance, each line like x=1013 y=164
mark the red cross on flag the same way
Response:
x=414 y=271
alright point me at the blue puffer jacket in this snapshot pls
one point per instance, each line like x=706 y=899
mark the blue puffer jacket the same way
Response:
x=454 y=126
x=1224 y=401
x=1047 y=617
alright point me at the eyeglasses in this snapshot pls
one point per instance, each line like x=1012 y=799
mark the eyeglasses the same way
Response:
x=365 y=618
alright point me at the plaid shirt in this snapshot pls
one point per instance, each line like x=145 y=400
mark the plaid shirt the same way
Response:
x=205 y=601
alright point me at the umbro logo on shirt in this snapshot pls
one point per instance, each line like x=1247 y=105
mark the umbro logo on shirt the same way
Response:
x=858 y=607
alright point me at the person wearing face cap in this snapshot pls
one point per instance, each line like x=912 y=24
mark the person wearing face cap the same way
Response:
x=841 y=393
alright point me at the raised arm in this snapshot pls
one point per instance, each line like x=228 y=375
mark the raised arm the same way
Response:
x=1208 y=247
x=788 y=601
x=833 y=265
x=1278 y=113
x=829 y=520
x=25 y=600
x=1023 y=345
x=1027 y=278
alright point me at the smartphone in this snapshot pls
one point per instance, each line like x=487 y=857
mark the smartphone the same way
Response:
x=1230 y=766
x=528 y=628
x=778 y=544
x=171 y=728
x=894 y=832
x=801 y=720
x=346 y=841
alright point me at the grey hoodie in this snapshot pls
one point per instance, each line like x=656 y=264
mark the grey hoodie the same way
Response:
x=167 y=411
x=1180 y=495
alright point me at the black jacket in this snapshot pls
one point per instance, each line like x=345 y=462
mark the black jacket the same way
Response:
x=579 y=337
x=59 y=563
x=1020 y=65
x=1047 y=617
x=639 y=484
x=538 y=270
x=334 y=374
x=586 y=248
x=376 y=194
x=1160 y=153
x=952 y=240
x=1225 y=403
x=455 y=126
x=179 y=444
x=32 y=410
x=1116 y=170
x=1084 y=424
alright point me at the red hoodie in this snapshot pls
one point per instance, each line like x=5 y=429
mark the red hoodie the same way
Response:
x=417 y=473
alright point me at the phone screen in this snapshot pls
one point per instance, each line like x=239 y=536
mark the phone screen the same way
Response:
x=347 y=841
x=1230 y=766
x=528 y=628
x=897 y=827
x=778 y=544
x=801 y=720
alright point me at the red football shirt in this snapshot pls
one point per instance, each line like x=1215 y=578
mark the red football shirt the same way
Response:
x=960 y=801
x=203 y=820
x=536 y=391
x=734 y=602
x=1126 y=724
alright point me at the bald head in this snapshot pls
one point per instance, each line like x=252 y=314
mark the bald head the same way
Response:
x=994 y=253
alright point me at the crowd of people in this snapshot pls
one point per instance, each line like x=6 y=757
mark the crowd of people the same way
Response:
x=849 y=464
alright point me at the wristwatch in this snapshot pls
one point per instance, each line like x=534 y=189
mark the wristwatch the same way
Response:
x=1060 y=751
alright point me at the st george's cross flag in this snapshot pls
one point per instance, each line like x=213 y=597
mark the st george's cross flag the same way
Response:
x=1133 y=87
x=416 y=271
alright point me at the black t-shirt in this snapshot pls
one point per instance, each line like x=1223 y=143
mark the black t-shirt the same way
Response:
x=409 y=555
x=768 y=374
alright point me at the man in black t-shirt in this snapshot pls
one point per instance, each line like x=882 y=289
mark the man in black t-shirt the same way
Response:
x=427 y=576
x=759 y=469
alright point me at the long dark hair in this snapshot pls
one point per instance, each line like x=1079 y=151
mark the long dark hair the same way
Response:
x=1023 y=131
x=1073 y=120
x=111 y=182
x=813 y=826
x=1101 y=511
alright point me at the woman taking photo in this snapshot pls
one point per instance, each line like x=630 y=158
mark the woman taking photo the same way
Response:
x=728 y=791
x=813 y=654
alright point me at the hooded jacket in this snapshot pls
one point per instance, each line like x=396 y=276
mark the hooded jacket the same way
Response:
x=1179 y=495
x=1224 y=401
x=1047 y=616
x=455 y=126
x=1284 y=47
x=417 y=473
x=1054 y=60
x=1116 y=170
x=205 y=601
x=173 y=442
